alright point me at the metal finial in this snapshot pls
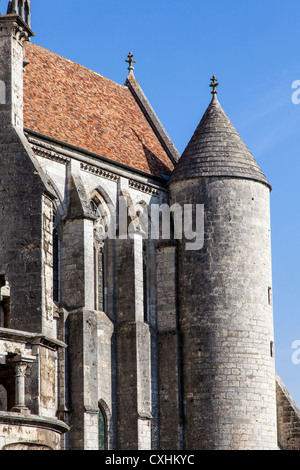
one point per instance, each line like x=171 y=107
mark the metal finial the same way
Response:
x=214 y=84
x=130 y=61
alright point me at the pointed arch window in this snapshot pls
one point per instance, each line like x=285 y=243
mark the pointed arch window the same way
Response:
x=102 y=430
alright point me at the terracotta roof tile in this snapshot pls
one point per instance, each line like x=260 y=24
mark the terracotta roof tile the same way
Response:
x=67 y=102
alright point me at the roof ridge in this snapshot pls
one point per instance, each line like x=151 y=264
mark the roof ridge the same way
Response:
x=134 y=87
x=77 y=63
x=68 y=102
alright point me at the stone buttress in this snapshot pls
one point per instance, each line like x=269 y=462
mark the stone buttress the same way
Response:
x=28 y=344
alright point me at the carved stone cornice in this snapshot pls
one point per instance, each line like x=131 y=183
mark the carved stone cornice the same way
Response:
x=44 y=150
x=99 y=171
x=145 y=188
x=43 y=422
x=15 y=26
x=51 y=152
x=30 y=338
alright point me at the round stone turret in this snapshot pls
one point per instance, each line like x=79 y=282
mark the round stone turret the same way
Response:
x=224 y=293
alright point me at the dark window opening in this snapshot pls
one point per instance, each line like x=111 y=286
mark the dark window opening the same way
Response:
x=4 y=303
x=102 y=430
x=101 y=280
x=270 y=296
x=3 y=398
x=7 y=387
x=145 y=282
x=271 y=349
x=94 y=209
x=56 y=267
x=100 y=277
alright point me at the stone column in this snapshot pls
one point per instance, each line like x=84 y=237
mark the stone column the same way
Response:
x=133 y=348
x=20 y=371
x=78 y=298
x=21 y=364
x=63 y=367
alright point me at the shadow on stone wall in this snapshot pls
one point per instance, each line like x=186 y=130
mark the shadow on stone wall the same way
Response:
x=288 y=419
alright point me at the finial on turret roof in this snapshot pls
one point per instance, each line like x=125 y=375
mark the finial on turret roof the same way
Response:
x=20 y=7
x=214 y=84
x=130 y=61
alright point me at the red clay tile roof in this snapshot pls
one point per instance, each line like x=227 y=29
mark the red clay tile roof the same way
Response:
x=67 y=102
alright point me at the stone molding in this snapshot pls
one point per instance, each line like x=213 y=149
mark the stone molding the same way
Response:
x=48 y=151
x=42 y=149
x=99 y=171
x=16 y=26
x=145 y=188
x=33 y=338
x=18 y=419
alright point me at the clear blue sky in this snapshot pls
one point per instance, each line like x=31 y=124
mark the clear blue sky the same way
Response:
x=253 y=49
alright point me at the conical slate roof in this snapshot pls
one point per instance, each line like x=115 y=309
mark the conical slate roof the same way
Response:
x=216 y=150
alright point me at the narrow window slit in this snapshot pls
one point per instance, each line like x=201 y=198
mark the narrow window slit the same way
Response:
x=270 y=295
x=271 y=348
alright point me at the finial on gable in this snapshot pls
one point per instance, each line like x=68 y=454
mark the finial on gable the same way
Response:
x=214 y=84
x=130 y=61
x=20 y=7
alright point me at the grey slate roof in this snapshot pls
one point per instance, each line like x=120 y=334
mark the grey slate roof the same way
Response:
x=215 y=150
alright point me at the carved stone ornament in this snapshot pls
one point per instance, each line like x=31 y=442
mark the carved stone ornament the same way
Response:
x=20 y=7
x=99 y=235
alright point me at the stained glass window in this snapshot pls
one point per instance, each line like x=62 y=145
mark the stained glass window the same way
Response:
x=102 y=430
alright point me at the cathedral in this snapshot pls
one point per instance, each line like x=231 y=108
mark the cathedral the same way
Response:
x=135 y=284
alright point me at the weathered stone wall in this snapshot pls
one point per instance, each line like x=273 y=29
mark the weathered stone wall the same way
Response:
x=21 y=243
x=49 y=325
x=225 y=318
x=12 y=37
x=288 y=418
x=24 y=196
x=33 y=419
x=32 y=435
x=48 y=389
x=168 y=348
x=133 y=349
x=76 y=184
x=77 y=264
x=83 y=355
